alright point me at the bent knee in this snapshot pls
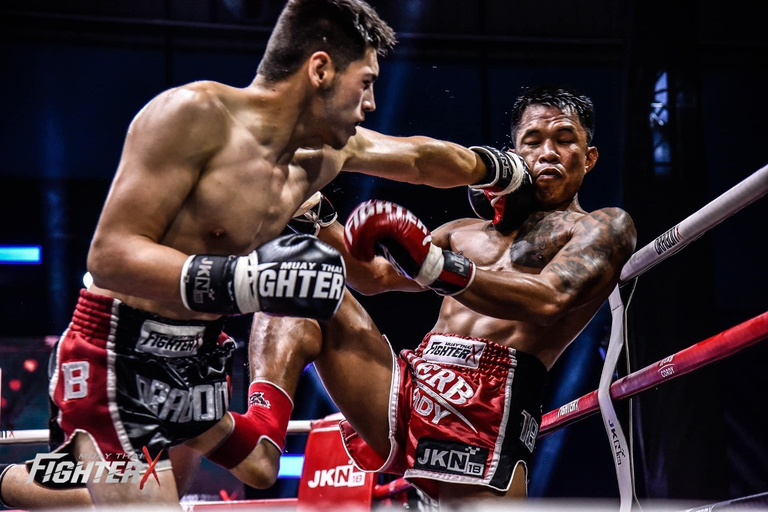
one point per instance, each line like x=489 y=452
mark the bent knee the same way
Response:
x=259 y=469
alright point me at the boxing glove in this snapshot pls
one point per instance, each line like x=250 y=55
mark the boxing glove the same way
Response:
x=480 y=203
x=315 y=213
x=505 y=170
x=389 y=230
x=508 y=200
x=294 y=275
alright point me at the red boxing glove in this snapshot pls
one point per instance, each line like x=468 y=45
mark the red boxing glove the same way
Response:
x=386 y=229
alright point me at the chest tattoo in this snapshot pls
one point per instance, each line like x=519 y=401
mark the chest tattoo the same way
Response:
x=541 y=237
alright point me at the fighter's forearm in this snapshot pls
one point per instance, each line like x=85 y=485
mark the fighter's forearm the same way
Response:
x=418 y=160
x=516 y=296
x=445 y=164
x=136 y=266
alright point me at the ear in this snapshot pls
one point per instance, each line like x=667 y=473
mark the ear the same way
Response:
x=320 y=69
x=591 y=159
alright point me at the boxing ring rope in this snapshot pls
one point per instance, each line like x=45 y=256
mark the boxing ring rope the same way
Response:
x=668 y=243
x=713 y=213
x=685 y=361
x=680 y=363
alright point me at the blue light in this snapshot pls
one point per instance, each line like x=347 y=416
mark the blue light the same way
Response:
x=290 y=466
x=21 y=254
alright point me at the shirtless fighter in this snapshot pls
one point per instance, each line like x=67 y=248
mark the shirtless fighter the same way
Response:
x=208 y=179
x=518 y=287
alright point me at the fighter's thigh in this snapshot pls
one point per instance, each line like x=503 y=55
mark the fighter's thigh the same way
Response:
x=355 y=365
x=185 y=462
x=17 y=492
x=451 y=493
x=281 y=347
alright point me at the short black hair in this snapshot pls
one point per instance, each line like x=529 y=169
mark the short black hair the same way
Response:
x=564 y=98
x=342 y=28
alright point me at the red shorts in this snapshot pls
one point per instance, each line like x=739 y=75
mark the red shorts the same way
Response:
x=462 y=410
x=130 y=379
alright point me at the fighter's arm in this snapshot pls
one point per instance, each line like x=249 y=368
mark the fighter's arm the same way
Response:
x=417 y=160
x=167 y=146
x=586 y=268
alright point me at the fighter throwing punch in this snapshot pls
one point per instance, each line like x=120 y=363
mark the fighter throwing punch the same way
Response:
x=518 y=286
x=209 y=177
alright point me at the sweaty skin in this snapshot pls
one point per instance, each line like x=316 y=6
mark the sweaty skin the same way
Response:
x=211 y=169
x=534 y=290
x=536 y=287
x=548 y=258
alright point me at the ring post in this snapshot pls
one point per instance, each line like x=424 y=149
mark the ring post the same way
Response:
x=329 y=479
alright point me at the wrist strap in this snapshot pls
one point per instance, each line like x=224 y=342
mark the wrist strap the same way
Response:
x=207 y=284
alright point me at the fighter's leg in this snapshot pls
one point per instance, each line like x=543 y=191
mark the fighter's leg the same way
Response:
x=159 y=492
x=355 y=365
x=453 y=494
x=279 y=350
x=257 y=469
x=17 y=493
x=185 y=463
x=351 y=356
x=353 y=360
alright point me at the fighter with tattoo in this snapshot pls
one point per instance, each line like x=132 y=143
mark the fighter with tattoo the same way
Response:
x=520 y=284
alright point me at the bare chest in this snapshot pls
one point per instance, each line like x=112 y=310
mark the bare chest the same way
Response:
x=240 y=201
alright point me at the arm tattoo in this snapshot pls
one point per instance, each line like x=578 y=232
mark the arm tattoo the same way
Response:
x=603 y=241
x=539 y=239
x=579 y=249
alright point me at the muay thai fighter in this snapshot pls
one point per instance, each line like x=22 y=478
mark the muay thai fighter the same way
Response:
x=465 y=406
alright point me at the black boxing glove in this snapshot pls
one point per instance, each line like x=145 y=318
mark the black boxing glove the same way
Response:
x=507 y=212
x=315 y=213
x=386 y=229
x=507 y=208
x=294 y=275
x=504 y=170
x=480 y=203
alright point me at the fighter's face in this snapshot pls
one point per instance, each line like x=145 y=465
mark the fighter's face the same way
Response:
x=553 y=144
x=350 y=98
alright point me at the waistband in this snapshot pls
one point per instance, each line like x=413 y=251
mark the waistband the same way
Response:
x=483 y=354
x=99 y=315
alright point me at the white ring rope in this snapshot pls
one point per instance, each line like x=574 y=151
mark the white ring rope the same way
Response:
x=713 y=213
x=692 y=227
x=622 y=455
x=41 y=435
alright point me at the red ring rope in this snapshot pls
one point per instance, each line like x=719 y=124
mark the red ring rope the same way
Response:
x=701 y=354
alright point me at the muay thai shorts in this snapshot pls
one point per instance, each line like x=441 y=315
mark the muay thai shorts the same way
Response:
x=462 y=410
x=130 y=379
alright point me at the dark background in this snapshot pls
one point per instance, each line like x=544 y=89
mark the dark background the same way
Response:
x=74 y=73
